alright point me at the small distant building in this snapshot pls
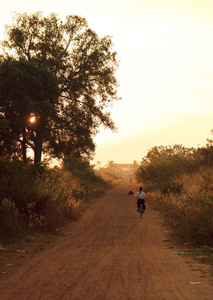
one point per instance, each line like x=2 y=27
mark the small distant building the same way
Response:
x=125 y=171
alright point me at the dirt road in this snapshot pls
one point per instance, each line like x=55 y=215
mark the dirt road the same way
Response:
x=109 y=254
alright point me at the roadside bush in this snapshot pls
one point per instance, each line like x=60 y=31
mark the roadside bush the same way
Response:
x=191 y=212
x=90 y=185
x=35 y=198
x=181 y=179
x=55 y=191
x=163 y=166
x=9 y=219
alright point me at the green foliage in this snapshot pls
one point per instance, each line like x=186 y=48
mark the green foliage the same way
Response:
x=35 y=198
x=181 y=179
x=90 y=183
x=85 y=67
x=19 y=184
x=9 y=219
x=4 y=126
x=163 y=166
x=191 y=212
x=25 y=90
x=172 y=187
x=205 y=155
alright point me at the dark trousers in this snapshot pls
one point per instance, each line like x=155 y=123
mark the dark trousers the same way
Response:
x=141 y=201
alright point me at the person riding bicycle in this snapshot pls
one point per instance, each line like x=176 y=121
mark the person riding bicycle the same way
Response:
x=141 y=198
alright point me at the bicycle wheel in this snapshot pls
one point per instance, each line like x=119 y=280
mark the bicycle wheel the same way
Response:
x=141 y=211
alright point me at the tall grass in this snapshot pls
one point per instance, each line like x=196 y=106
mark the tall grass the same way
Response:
x=191 y=212
x=34 y=198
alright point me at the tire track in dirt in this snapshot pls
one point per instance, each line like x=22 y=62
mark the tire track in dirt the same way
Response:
x=108 y=254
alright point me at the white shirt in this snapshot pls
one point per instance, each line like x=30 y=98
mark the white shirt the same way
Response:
x=140 y=195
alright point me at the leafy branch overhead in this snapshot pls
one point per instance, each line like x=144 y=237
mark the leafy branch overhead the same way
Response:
x=84 y=65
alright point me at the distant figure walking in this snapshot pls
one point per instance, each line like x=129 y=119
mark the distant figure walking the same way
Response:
x=141 y=199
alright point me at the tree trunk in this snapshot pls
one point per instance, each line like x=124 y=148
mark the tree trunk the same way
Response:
x=24 y=148
x=38 y=147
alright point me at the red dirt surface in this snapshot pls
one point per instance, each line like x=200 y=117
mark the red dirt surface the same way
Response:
x=110 y=253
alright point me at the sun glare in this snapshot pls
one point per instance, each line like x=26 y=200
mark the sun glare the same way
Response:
x=32 y=119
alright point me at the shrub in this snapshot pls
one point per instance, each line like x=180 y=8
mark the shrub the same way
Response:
x=9 y=219
x=163 y=166
x=191 y=212
x=36 y=198
x=90 y=184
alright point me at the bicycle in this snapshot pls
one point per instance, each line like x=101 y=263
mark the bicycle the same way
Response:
x=141 y=211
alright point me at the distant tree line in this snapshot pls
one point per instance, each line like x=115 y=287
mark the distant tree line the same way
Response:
x=163 y=166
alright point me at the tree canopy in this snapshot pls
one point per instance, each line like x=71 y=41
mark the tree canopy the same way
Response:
x=84 y=65
x=26 y=90
x=163 y=165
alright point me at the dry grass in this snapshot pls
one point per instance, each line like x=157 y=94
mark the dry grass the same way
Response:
x=191 y=213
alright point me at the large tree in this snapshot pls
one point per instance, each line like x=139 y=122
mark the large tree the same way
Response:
x=26 y=91
x=85 y=66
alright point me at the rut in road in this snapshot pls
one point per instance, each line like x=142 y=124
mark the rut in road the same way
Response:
x=110 y=253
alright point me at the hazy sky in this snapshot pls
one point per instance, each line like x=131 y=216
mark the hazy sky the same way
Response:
x=165 y=48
